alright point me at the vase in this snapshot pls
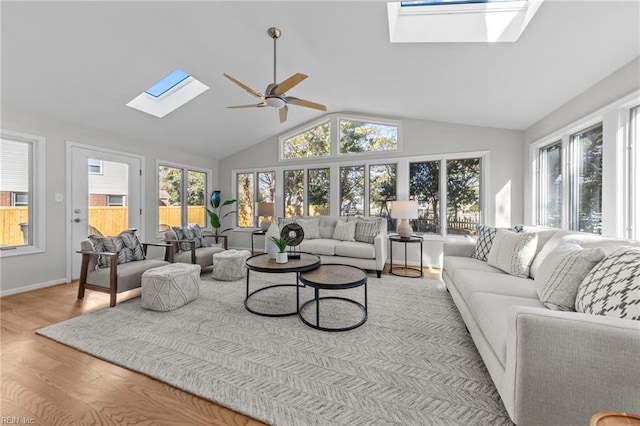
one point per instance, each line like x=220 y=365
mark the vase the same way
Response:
x=215 y=199
x=271 y=248
x=282 y=257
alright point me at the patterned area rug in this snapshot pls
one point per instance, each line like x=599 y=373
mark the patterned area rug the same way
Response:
x=411 y=363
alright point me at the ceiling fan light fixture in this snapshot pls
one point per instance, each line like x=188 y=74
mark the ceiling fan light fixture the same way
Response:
x=275 y=102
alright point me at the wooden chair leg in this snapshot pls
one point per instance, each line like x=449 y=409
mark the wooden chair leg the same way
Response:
x=83 y=275
x=112 y=300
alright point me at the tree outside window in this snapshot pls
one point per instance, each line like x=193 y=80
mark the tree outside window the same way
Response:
x=362 y=136
x=293 y=193
x=315 y=142
x=245 y=199
x=318 y=187
x=463 y=196
x=352 y=191
x=424 y=187
x=586 y=181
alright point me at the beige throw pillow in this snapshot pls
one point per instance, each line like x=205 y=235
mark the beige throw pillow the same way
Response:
x=561 y=273
x=345 y=231
x=513 y=252
x=310 y=227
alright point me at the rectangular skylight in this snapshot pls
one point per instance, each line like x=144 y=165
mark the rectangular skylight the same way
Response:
x=170 y=81
x=168 y=94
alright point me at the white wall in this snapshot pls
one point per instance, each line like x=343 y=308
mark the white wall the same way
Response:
x=619 y=84
x=25 y=272
x=421 y=137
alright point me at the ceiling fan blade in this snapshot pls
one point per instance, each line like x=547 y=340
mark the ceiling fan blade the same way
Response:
x=289 y=83
x=244 y=86
x=304 y=103
x=260 y=105
x=283 y=113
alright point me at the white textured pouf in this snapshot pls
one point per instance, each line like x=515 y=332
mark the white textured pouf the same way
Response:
x=229 y=265
x=169 y=287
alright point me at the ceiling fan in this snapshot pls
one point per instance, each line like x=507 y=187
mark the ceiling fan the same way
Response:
x=274 y=95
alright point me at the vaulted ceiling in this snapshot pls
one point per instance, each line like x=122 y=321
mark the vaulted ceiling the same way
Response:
x=81 y=62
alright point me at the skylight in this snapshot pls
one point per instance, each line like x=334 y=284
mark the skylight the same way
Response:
x=461 y=21
x=168 y=94
x=174 y=78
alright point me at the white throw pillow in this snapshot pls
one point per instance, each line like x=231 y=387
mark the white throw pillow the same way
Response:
x=345 y=231
x=484 y=240
x=612 y=288
x=513 y=252
x=561 y=273
x=310 y=227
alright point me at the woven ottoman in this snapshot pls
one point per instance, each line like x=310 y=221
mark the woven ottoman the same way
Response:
x=170 y=287
x=229 y=265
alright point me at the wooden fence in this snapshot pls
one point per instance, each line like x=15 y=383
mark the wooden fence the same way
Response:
x=107 y=220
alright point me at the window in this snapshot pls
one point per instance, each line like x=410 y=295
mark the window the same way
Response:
x=634 y=175
x=424 y=187
x=115 y=200
x=463 y=196
x=95 y=166
x=382 y=188
x=362 y=136
x=314 y=142
x=293 y=193
x=167 y=83
x=550 y=186
x=318 y=189
x=21 y=194
x=181 y=201
x=245 y=199
x=352 y=191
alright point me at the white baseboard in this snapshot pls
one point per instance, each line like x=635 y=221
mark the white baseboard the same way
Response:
x=25 y=288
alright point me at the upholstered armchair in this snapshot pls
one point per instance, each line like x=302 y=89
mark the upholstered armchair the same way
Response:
x=193 y=246
x=115 y=264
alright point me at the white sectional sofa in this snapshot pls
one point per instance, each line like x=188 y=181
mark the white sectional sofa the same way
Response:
x=550 y=367
x=366 y=255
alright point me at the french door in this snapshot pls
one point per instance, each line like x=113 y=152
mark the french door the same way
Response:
x=104 y=198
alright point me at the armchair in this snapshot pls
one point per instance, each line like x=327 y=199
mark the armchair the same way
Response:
x=116 y=278
x=186 y=250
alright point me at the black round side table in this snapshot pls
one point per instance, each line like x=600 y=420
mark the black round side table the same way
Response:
x=405 y=271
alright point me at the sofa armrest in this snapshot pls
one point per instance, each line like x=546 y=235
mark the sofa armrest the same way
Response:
x=380 y=245
x=462 y=248
x=562 y=367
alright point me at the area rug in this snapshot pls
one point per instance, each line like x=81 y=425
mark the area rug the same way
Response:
x=411 y=363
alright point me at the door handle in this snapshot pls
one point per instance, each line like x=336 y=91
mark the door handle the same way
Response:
x=77 y=220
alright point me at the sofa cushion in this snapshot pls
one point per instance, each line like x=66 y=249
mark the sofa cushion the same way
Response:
x=125 y=244
x=612 y=288
x=322 y=246
x=355 y=249
x=562 y=272
x=559 y=238
x=367 y=229
x=129 y=274
x=327 y=225
x=204 y=256
x=345 y=231
x=453 y=264
x=310 y=228
x=513 y=252
x=468 y=282
x=491 y=314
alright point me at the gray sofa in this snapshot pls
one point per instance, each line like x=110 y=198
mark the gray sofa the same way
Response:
x=355 y=253
x=550 y=367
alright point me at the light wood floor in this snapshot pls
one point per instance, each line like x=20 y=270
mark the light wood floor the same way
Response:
x=47 y=383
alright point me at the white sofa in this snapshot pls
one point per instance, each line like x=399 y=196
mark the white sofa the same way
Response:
x=355 y=253
x=550 y=367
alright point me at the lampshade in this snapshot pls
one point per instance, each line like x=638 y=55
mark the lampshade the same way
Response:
x=404 y=209
x=265 y=209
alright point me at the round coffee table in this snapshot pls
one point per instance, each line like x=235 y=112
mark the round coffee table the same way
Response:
x=262 y=263
x=334 y=277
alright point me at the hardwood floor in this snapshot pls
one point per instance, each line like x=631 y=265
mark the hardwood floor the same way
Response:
x=46 y=383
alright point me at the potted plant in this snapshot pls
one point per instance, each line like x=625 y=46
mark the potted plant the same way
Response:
x=216 y=215
x=281 y=244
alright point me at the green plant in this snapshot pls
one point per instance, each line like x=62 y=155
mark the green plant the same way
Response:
x=281 y=243
x=216 y=215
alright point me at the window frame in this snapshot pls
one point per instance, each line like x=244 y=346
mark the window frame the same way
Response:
x=37 y=191
x=184 y=190
x=368 y=120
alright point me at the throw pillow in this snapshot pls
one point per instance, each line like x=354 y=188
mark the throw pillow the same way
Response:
x=367 y=229
x=184 y=235
x=561 y=273
x=344 y=231
x=484 y=242
x=282 y=221
x=195 y=233
x=612 y=288
x=125 y=244
x=513 y=252
x=310 y=227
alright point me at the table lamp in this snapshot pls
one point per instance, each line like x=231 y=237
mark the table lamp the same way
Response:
x=265 y=211
x=404 y=210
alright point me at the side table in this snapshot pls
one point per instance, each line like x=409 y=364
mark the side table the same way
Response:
x=253 y=234
x=409 y=271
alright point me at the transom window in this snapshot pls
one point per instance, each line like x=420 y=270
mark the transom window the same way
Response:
x=362 y=136
x=313 y=142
